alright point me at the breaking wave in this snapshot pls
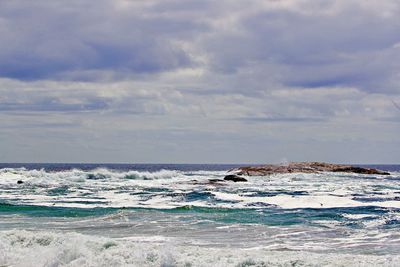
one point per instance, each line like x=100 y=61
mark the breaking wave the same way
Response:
x=26 y=248
x=163 y=189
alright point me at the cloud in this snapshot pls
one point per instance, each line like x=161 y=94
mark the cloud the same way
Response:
x=47 y=104
x=339 y=43
x=396 y=105
x=292 y=43
x=280 y=119
x=45 y=40
x=157 y=80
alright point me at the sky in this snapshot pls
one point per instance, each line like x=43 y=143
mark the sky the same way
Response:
x=200 y=81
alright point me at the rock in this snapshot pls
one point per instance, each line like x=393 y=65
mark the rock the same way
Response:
x=97 y=176
x=304 y=167
x=234 y=178
x=361 y=170
x=20 y=182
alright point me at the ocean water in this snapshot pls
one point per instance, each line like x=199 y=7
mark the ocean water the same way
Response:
x=172 y=215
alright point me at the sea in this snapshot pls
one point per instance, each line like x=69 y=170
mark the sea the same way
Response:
x=173 y=215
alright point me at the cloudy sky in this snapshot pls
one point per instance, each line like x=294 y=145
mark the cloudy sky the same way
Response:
x=198 y=81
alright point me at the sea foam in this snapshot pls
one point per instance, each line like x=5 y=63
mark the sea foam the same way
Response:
x=25 y=248
x=102 y=187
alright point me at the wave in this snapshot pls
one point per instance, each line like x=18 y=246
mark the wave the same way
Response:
x=170 y=189
x=76 y=175
x=26 y=248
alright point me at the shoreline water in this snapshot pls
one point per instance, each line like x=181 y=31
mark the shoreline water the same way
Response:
x=144 y=216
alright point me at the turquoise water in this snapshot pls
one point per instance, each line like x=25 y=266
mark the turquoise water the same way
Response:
x=272 y=217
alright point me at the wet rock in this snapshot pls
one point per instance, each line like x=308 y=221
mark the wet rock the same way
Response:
x=304 y=167
x=20 y=182
x=97 y=176
x=234 y=178
x=361 y=170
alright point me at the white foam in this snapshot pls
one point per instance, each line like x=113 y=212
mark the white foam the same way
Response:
x=8 y=176
x=293 y=202
x=109 y=188
x=358 y=216
x=22 y=248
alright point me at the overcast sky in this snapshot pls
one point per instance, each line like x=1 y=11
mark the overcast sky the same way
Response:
x=195 y=81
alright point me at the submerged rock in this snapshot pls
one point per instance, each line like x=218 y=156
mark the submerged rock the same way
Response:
x=97 y=176
x=234 y=178
x=304 y=167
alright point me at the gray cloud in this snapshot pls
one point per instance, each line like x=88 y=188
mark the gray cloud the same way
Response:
x=339 y=43
x=179 y=80
x=280 y=119
x=47 y=104
x=43 y=40
x=296 y=44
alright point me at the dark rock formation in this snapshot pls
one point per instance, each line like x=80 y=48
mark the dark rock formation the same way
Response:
x=360 y=170
x=234 y=178
x=20 y=182
x=304 y=167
